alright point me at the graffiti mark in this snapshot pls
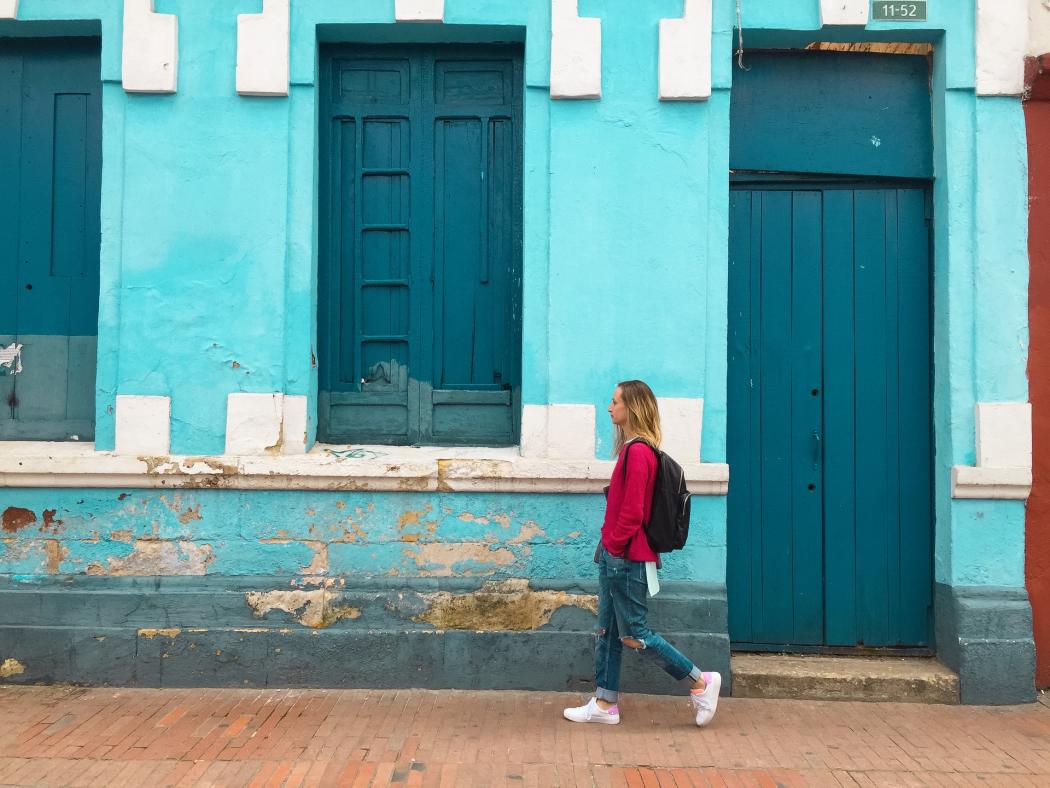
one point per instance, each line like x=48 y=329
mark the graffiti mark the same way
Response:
x=356 y=454
x=11 y=358
x=15 y=517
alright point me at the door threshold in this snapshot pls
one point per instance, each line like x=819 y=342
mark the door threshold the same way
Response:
x=887 y=679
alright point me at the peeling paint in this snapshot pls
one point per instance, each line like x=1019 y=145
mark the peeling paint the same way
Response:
x=191 y=513
x=169 y=632
x=49 y=519
x=15 y=517
x=312 y=609
x=508 y=605
x=529 y=531
x=11 y=358
x=122 y=536
x=11 y=667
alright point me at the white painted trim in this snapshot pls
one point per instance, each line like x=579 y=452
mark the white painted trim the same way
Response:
x=1002 y=40
x=263 y=50
x=150 y=58
x=371 y=468
x=844 y=12
x=1004 y=454
x=576 y=52
x=558 y=432
x=685 y=54
x=681 y=421
x=8 y=9
x=419 y=10
x=143 y=425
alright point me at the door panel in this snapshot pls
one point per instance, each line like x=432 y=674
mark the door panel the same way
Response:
x=420 y=275
x=830 y=516
x=51 y=138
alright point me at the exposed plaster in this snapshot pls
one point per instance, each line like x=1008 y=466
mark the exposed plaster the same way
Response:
x=508 y=605
x=11 y=667
x=153 y=558
x=844 y=12
x=167 y=632
x=39 y=464
x=263 y=50
x=576 y=53
x=150 y=59
x=419 y=10
x=685 y=54
x=1004 y=454
x=314 y=609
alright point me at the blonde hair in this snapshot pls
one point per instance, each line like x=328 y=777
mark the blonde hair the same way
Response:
x=643 y=415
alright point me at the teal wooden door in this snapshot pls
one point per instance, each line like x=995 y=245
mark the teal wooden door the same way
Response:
x=50 y=192
x=829 y=439
x=420 y=269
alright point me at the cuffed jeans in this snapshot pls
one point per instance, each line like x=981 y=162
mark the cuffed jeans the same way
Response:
x=622 y=611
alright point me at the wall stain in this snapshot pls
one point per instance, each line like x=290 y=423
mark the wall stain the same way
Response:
x=11 y=667
x=313 y=609
x=508 y=605
x=15 y=517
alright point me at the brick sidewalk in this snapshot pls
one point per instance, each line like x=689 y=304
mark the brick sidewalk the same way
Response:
x=51 y=736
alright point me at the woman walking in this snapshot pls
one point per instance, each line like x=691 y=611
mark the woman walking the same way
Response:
x=622 y=556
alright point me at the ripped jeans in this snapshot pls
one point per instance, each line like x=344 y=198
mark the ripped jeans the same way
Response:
x=622 y=610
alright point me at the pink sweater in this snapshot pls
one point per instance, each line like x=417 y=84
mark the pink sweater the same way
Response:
x=628 y=504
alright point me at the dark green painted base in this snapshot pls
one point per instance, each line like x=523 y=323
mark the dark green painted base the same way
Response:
x=985 y=635
x=104 y=631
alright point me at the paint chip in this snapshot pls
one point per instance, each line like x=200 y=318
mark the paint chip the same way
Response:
x=11 y=667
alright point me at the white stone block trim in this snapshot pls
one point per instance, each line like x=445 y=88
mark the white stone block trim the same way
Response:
x=1004 y=434
x=373 y=468
x=576 y=52
x=681 y=421
x=558 y=432
x=1004 y=454
x=1038 y=27
x=150 y=61
x=253 y=423
x=1002 y=40
x=263 y=50
x=293 y=424
x=844 y=12
x=8 y=9
x=143 y=425
x=419 y=10
x=685 y=54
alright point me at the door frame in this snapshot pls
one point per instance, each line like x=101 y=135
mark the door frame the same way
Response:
x=742 y=180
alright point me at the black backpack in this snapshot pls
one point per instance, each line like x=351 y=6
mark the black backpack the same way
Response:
x=668 y=525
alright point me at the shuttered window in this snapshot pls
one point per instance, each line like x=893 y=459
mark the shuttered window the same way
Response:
x=420 y=253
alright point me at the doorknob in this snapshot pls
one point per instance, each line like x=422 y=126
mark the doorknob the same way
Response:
x=816 y=450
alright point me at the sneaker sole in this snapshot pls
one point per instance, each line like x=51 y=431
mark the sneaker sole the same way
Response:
x=599 y=720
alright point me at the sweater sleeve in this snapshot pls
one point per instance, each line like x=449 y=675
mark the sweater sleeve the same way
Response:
x=632 y=510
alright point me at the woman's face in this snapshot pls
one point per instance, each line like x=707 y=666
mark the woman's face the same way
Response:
x=617 y=410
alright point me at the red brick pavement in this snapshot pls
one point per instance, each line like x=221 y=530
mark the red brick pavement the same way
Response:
x=65 y=736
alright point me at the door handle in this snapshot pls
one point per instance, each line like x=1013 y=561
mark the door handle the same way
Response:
x=816 y=450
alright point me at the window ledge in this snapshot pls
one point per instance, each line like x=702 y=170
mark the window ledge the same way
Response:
x=325 y=467
x=991 y=483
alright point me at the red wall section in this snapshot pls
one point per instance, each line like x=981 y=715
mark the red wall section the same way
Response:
x=1037 y=548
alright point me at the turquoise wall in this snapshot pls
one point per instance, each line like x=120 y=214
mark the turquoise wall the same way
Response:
x=209 y=258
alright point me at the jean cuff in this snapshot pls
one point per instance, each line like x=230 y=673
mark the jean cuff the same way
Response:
x=610 y=695
x=694 y=674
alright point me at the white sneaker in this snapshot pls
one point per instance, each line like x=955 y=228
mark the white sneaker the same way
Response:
x=705 y=703
x=592 y=712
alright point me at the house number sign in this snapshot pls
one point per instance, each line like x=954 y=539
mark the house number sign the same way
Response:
x=899 y=12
